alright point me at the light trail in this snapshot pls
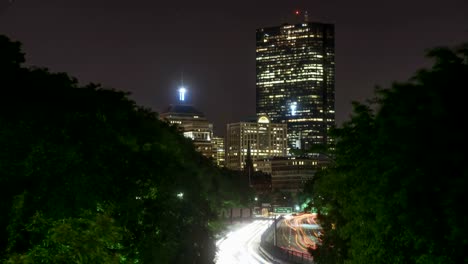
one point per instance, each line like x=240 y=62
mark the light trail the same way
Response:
x=303 y=229
x=241 y=246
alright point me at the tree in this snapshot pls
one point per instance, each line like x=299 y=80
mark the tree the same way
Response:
x=395 y=194
x=84 y=163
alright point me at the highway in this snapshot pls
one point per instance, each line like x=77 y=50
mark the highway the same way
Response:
x=297 y=233
x=294 y=234
x=242 y=245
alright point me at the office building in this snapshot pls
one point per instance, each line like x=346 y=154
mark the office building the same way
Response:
x=288 y=174
x=295 y=84
x=263 y=138
x=219 y=151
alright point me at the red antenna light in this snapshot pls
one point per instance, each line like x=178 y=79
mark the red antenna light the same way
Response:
x=297 y=12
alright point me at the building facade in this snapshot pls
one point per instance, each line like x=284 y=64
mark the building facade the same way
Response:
x=295 y=83
x=193 y=124
x=219 y=151
x=288 y=174
x=263 y=138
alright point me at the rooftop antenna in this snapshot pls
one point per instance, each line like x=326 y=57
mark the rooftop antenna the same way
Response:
x=306 y=16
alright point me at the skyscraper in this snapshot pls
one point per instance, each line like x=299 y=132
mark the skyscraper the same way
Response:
x=295 y=83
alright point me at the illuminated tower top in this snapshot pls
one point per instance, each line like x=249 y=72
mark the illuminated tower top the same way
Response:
x=297 y=12
x=182 y=92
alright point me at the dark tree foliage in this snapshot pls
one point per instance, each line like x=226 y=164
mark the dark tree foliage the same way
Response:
x=397 y=192
x=87 y=176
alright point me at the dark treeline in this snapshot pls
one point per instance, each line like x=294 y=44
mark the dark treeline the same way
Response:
x=87 y=176
x=397 y=192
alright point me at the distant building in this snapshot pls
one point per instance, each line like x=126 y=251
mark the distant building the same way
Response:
x=219 y=153
x=265 y=139
x=288 y=174
x=295 y=83
x=193 y=124
x=263 y=165
x=258 y=180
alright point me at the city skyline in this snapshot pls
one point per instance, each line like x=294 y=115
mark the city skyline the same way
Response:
x=143 y=47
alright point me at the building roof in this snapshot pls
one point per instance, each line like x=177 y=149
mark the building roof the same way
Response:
x=183 y=109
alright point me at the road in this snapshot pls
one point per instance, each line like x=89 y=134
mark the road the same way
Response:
x=298 y=232
x=242 y=245
x=294 y=235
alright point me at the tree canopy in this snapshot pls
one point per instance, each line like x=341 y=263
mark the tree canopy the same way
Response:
x=88 y=176
x=397 y=190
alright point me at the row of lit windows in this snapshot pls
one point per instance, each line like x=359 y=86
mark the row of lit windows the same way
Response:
x=292 y=53
x=294 y=68
x=293 y=35
x=305 y=120
x=301 y=50
x=302 y=69
x=300 y=90
x=281 y=70
x=284 y=45
x=290 y=81
x=268 y=82
x=305 y=135
x=298 y=56
x=291 y=74
x=294 y=71
x=291 y=45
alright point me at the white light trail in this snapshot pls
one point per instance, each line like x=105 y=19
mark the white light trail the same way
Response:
x=241 y=246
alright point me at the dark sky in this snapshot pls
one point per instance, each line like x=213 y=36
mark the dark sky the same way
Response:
x=142 y=46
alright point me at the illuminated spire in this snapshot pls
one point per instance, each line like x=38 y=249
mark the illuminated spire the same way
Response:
x=306 y=16
x=182 y=89
x=182 y=92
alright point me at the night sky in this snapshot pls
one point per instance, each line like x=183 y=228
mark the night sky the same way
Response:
x=143 y=46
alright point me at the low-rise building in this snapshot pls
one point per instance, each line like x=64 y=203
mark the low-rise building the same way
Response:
x=289 y=174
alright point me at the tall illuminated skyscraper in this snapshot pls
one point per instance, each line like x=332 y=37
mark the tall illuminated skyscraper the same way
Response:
x=296 y=80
